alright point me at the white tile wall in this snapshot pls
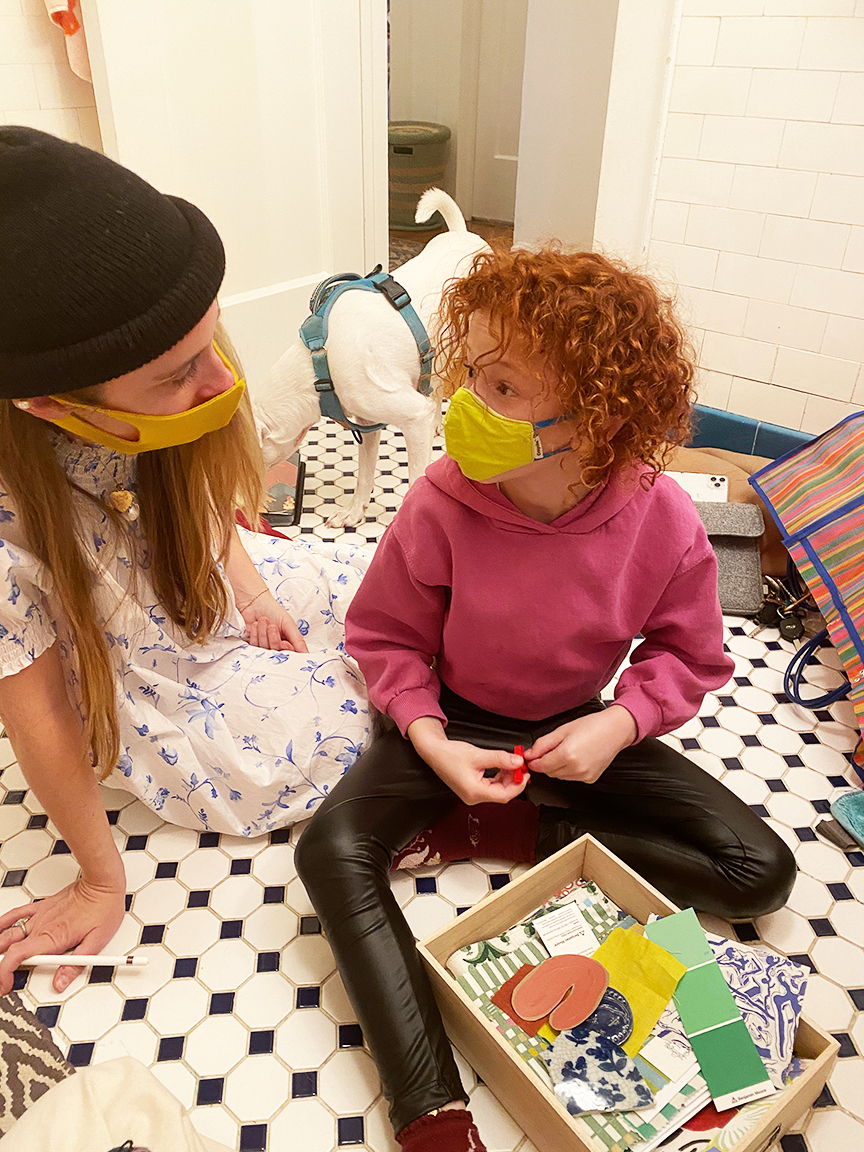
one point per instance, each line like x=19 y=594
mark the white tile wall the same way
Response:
x=670 y=220
x=37 y=86
x=739 y=356
x=850 y=98
x=760 y=42
x=819 y=375
x=853 y=261
x=844 y=337
x=807 y=241
x=785 y=93
x=683 y=263
x=766 y=401
x=760 y=204
x=697 y=39
x=789 y=327
x=833 y=44
x=695 y=181
x=829 y=291
x=824 y=147
x=839 y=198
x=755 y=276
x=714 y=311
x=708 y=89
x=683 y=132
x=713 y=388
x=821 y=414
x=742 y=139
x=772 y=190
x=726 y=229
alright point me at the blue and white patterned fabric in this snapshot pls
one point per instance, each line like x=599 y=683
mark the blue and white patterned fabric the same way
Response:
x=590 y=1073
x=769 y=991
x=221 y=736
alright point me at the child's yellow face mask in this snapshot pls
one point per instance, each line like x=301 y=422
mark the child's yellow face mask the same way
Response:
x=486 y=444
x=155 y=432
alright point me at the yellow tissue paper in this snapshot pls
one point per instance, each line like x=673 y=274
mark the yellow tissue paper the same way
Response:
x=645 y=974
x=548 y=1033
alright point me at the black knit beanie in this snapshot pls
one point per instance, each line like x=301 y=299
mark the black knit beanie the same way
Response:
x=99 y=272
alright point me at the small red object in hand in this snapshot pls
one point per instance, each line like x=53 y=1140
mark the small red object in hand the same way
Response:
x=519 y=774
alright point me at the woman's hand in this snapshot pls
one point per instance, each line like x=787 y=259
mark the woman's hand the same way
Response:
x=462 y=766
x=84 y=916
x=268 y=625
x=584 y=748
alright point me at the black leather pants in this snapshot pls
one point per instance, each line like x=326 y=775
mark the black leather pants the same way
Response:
x=668 y=819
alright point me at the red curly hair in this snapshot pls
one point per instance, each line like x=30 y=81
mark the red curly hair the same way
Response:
x=623 y=363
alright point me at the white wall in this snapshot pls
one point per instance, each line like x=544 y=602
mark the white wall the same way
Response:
x=37 y=86
x=426 y=60
x=568 y=63
x=759 y=209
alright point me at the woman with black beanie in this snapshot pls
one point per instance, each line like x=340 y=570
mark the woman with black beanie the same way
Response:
x=142 y=636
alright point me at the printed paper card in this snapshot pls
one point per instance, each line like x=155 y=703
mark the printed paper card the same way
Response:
x=566 y=931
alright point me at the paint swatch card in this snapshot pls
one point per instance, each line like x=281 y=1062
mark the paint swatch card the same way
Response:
x=730 y=1063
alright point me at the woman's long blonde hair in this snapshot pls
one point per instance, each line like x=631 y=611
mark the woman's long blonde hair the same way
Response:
x=188 y=497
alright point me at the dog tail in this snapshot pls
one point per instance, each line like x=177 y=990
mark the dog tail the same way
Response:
x=434 y=200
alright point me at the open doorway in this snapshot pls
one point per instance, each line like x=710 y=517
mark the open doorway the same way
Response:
x=460 y=63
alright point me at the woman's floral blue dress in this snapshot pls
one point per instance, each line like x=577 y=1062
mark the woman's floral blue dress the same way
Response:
x=222 y=736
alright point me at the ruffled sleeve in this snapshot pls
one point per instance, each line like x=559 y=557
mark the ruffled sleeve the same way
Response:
x=26 y=625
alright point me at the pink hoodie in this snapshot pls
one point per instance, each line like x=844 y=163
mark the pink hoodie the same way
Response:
x=528 y=619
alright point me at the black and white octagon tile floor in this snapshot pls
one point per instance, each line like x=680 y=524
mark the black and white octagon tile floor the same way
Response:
x=240 y=1012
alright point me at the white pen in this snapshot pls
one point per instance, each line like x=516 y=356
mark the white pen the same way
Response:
x=85 y=961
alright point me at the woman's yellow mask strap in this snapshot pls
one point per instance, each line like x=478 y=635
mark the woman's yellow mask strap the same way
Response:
x=155 y=432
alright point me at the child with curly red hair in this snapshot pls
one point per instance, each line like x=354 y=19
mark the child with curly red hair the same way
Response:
x=501 y=601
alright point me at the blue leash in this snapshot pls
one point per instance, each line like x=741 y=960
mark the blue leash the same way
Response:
x=313 y=333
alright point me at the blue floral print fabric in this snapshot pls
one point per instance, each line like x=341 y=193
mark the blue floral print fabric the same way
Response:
x=591 y=1073
x=221 y=736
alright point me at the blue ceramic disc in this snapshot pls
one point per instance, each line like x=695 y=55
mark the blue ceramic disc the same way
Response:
x=612 y=1017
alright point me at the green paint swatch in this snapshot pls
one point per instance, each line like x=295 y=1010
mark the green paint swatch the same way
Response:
x=727 y=1056
x=732 y=1057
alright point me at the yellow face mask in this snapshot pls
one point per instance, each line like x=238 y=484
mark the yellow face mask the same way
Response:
x=155 y=432
x=486 y=444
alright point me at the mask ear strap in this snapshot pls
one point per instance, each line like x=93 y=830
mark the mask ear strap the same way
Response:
x=551 y=421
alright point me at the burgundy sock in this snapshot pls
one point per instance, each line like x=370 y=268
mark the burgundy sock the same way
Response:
x=452 y=1130
x=502 y=831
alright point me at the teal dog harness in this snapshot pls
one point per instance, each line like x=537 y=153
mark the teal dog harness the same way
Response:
x=313 y=333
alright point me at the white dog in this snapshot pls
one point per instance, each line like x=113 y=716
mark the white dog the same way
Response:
x=374 y=362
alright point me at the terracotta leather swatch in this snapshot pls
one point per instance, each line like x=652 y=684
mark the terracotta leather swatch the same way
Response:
x=503 y=1000
x=567 y=988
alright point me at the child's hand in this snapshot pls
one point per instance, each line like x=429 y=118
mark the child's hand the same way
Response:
x=584 y=748
x=462 y=766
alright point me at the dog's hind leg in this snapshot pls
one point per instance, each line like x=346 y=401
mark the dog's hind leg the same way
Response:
x=355 y=513
x=418 y=433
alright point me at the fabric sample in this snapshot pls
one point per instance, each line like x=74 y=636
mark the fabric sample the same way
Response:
x=645 y=975
x=503 y=999
x=591 y=1074
x=482 y=980
x=569 y=987
x=30 y=1061
x=768 y=990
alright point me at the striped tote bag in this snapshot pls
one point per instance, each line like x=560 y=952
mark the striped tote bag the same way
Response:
x=816 y=495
